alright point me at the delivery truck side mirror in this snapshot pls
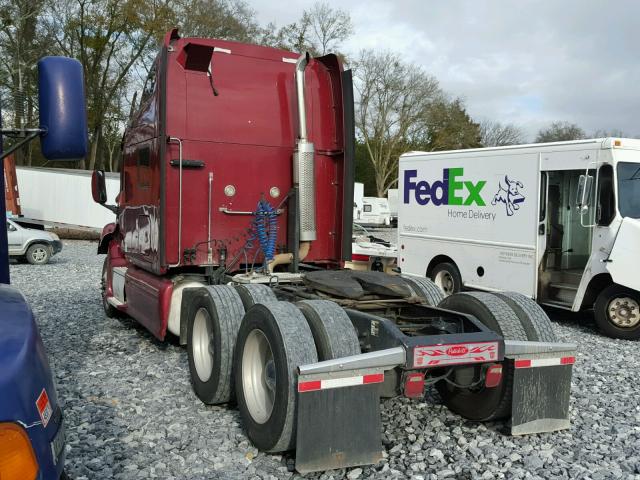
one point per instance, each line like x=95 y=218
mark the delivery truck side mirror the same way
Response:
x=63 y=113
x=98 y=187
x=583 y=194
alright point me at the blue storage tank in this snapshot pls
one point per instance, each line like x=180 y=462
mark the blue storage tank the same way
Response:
x=63 y=111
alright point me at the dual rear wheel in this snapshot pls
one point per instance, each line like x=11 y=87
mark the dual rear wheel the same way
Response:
x=514 y=317
x=245 y=346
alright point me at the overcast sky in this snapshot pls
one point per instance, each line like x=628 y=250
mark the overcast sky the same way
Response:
x=522 y=62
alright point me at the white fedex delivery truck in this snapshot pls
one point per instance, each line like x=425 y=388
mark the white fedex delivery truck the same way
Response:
x=558 y=222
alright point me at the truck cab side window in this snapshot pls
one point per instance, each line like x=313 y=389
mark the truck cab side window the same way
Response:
x=606 y=200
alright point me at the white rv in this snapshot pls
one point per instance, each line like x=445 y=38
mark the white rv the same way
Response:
x=358 y=195
x=392 y=198
x=558 y=222
x=375 y=212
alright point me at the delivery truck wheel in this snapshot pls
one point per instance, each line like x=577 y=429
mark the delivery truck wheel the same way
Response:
x=274 y=340
x=333 y=332
x=447 y=276
x=255 y=293
x=478 y=402
x=617 y=312
x=532 y=317
x=213 y=322
x=426 y=289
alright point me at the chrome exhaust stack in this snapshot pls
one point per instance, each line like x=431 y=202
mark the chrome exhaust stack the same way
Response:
x=303 y=162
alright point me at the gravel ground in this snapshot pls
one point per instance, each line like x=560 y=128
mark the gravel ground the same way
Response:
x=131 y=413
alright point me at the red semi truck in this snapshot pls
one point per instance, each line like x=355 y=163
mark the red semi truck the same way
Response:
x=233 y=224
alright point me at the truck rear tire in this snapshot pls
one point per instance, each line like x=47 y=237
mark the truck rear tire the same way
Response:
x=109 y=310
x=481 y=403
x=274 y=340
x=333 y=332
x=532 y=317
x=447 y=276
x=253 y=293
x=617 y=312
x=213 y=322
x=38 y=254
x=425 y=288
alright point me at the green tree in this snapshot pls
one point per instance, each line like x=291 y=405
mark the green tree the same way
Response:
x=560 y=131
x=449 y=127
x=365 y=173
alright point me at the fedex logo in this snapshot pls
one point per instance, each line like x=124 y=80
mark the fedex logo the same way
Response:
x=451 y=190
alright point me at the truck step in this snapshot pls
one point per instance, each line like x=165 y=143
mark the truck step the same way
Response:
x=564 y=286
x=114 y=302
x=557 y=304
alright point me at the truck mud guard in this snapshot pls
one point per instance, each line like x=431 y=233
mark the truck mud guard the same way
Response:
x=339 y=410
x=541 y=385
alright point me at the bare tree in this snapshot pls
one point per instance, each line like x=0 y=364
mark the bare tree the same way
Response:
x=21 y=44
x=320 y=30
x=560 y=131
x=330 y=27
x=496 y=134
x=393 y=99
x=615 y=132
x=223 y=19
x=109 y=37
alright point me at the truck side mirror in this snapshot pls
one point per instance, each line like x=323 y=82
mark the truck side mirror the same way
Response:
x=583 y=193
x=98 y=187
x=63 y=114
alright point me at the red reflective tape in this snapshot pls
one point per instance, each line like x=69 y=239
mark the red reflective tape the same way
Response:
x=358 y=257
x=523 y=363
x=373 y=378
x=567 y=360
x=309 y=386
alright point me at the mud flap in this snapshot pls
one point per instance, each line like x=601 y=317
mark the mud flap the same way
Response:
x=541 y=385
x=338 y=421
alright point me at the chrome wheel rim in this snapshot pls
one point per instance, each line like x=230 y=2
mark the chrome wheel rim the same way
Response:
x=624 y=312
x=202 y=346
x=39 y=254
x=445 y=281
x=258 y=376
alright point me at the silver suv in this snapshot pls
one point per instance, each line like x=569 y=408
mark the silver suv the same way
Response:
x=36 y=246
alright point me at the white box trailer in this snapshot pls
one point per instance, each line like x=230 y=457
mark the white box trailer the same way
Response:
x=557 y=222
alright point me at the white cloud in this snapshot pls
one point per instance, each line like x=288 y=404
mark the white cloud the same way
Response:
x=527 y=62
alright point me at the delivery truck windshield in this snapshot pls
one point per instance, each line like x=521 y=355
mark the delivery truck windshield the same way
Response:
x=629 y=189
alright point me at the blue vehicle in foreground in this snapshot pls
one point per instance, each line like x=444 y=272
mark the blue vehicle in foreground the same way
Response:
x=31 y=421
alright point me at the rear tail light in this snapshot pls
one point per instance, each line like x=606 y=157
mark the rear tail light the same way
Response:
x=357 y=257
x=493 y=376
x=414 y=385
x=17 y=460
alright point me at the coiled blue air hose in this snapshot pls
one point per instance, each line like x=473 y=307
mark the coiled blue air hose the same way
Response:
x=265 y=228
